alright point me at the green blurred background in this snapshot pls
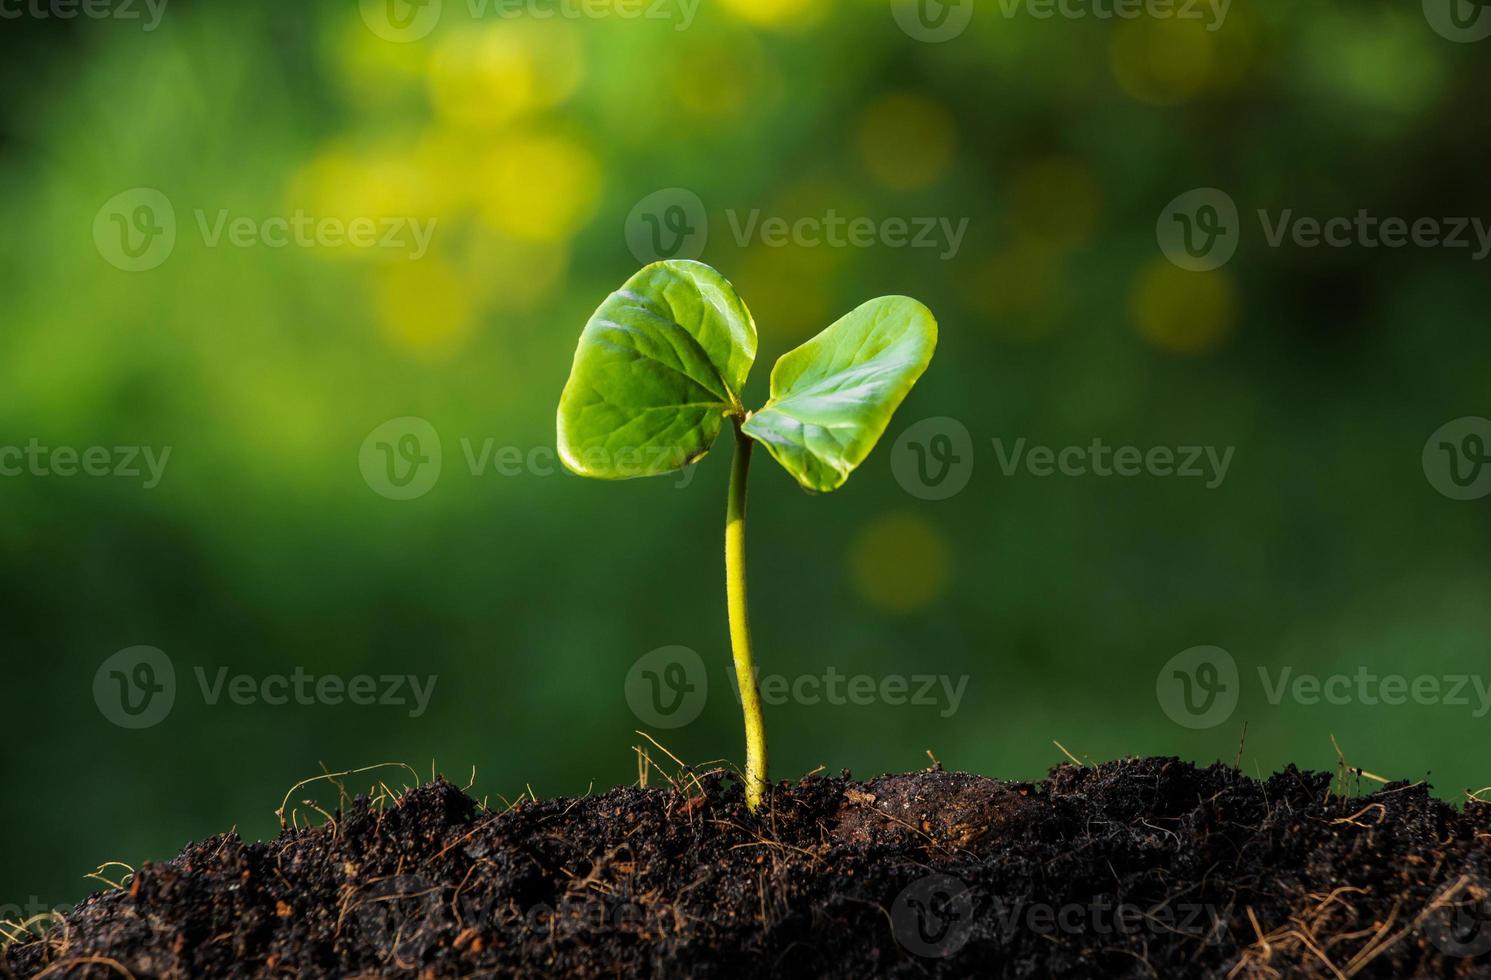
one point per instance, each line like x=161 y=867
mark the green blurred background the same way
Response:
x=530 y=139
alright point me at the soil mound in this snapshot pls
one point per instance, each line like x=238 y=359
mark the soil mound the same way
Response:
x=1137 y=868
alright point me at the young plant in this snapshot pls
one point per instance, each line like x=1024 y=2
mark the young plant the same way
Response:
x=659 y=371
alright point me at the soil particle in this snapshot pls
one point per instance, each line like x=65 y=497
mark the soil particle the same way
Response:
x=1137 y=868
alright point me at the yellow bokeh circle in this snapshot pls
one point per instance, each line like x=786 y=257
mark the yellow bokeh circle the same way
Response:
x=1055 y=201
x=1162 y=61
x=907 y=140
x=425 y=307
x=900 y=563
x=783 y=15
x=539 y=188
x=1183 y=312
x=485 y=77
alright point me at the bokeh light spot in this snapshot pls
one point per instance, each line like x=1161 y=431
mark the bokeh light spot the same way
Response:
x=790 y=289
x=1183 y=312
x=907 y=140
x=900 y=562
x=1021 y=289
x=483 y=78
x=1055 y=201
x=360 y=184
x=784 y=15
x=539 y=188
x=508 y=274
x=793 y=285
x=425 y=307
x=1384 y=64
x=1162 y=61
x=721 y=78
x=374 y=72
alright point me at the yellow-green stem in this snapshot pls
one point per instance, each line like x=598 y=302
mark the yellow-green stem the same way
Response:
x=740 y=627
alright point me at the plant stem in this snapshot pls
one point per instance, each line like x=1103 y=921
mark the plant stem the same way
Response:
x=740 y=628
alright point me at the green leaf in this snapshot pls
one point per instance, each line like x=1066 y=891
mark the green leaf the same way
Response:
x=659 y=368
x=832 y=398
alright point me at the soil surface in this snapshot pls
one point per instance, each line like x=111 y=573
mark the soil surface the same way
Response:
x=1146 y=867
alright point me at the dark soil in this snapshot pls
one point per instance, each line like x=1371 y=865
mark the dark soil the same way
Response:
x=1146 y=867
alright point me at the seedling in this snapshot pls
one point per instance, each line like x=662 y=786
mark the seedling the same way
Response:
x=659 y=370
